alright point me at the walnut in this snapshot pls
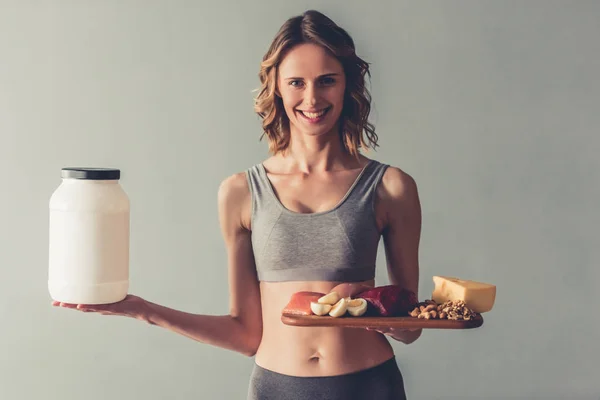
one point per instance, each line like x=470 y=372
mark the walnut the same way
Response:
x=452 y=310
x=457 y=310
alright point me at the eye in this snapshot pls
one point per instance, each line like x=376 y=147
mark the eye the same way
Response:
x=295 y=83
x=328 y=81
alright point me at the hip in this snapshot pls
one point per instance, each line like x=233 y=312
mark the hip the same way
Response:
x=383 y=382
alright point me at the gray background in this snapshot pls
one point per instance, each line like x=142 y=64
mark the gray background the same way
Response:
x=491 y=106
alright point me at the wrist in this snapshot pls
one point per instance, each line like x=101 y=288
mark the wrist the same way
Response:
x=407 y=336
x=146 y=313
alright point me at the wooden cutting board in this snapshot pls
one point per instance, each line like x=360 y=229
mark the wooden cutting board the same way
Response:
x=379 y=322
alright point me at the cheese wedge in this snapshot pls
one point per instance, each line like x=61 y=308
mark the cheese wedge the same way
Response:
x=478 y=296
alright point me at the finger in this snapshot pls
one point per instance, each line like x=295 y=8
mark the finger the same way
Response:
x=405 y=329
x=350 y=289
x=94 y=307
x=376 y=330
x=68 y=305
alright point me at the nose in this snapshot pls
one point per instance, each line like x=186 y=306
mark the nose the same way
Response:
x=310 y=95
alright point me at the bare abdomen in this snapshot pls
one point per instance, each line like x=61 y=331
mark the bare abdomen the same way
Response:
x=313 y=351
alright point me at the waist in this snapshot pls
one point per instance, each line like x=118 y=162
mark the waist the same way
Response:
x=319 y=351
x=342 y=273
x=313 y=351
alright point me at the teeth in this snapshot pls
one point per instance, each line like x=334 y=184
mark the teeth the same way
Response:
x=313 y=115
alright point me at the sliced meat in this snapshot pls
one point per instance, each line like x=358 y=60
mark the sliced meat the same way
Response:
x=389 y=301
x=299 y=303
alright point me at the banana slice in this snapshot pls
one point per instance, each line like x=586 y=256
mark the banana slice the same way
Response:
x=339 y=308
x=320 y=309
x=330 y=298
x=357 y=307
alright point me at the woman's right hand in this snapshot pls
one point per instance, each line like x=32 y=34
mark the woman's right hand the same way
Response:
x=131 y=306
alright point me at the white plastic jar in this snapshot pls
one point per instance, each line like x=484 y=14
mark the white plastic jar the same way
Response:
x=89 y=237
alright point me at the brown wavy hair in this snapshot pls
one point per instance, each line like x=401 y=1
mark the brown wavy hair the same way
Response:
x=313 y=27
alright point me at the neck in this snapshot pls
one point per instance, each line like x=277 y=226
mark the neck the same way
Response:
x=307 y=153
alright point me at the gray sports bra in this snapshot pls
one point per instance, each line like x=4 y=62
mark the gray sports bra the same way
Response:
x=335 y=245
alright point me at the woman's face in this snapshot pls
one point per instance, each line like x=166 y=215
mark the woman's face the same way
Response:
x=311 y=84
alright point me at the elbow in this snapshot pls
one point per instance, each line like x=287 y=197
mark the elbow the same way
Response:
x=251 y=352
x=251 y=344
x=250 y=337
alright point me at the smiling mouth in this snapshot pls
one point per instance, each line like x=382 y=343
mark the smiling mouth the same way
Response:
x=315 y=115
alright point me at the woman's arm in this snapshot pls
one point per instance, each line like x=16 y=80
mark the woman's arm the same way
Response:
x=401 y=211
x=241 y=329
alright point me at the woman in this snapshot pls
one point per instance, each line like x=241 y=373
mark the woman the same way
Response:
x=309 y=218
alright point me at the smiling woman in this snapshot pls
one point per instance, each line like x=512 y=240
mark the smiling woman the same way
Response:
x=311 y=68
x=313 y=101
x=308 y=219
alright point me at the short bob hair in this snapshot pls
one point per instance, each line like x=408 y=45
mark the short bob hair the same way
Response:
x=314 y=27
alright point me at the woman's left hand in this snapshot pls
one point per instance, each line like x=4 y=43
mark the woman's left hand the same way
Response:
x=393 y=331
x=350 y=289
x=403 y=335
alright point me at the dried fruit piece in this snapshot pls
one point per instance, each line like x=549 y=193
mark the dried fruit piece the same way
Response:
x=452 y=310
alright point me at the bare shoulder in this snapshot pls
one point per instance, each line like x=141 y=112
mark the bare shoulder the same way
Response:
x=234 y=186
x=397 y=185
x=397 y=197
x=234 y=200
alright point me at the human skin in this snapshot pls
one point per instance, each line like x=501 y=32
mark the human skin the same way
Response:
x=313 y=175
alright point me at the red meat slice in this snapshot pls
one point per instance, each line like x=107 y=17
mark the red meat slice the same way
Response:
x=299 y=303
x=389 y=301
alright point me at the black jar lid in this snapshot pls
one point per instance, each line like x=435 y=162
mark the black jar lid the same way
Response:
x=91 y=173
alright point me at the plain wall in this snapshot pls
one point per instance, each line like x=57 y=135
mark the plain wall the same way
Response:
x=491 y=106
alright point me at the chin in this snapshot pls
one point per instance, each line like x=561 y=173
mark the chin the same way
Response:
x=316 y=132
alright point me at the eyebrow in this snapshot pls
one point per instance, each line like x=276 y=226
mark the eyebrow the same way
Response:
x=319 y=77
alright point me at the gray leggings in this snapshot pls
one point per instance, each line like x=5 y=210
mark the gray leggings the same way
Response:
x=382 y=382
